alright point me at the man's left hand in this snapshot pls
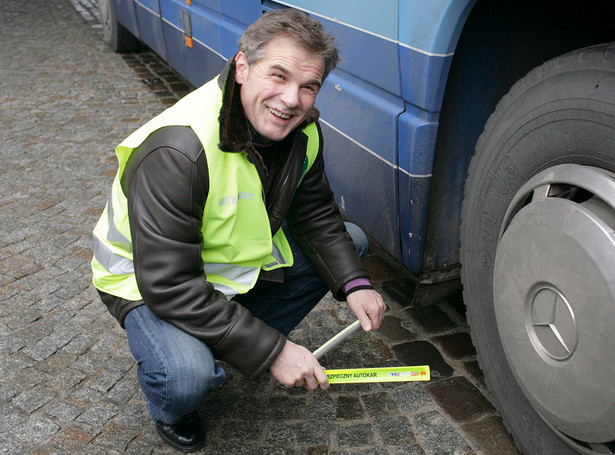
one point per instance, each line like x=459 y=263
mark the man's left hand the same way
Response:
x=369 y=307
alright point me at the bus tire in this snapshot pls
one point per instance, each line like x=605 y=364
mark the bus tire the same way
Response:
x=538 y=255
x=117 y=37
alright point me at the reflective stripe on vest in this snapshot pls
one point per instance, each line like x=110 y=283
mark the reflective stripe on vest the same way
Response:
x=277 y=254
x=115 y=264
x=237 y=273
x=114 y=235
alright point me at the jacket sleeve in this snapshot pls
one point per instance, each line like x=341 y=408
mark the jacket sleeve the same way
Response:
x=167 y=187
x=316 y=223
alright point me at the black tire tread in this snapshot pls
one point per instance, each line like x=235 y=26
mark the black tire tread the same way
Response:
x=600 y=57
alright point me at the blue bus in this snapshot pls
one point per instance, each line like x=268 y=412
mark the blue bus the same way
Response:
x=472 y=139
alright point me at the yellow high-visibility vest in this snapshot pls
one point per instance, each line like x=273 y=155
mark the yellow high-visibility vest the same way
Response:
x=237 y=239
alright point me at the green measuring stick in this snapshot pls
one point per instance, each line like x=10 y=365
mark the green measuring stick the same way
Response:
x=390 y=374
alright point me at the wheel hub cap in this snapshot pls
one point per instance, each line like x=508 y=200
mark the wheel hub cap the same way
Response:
x=554 y=288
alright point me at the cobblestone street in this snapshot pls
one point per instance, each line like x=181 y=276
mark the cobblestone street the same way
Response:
x=67 y=379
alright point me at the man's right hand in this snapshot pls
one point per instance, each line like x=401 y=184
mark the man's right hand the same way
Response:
x=297 y=367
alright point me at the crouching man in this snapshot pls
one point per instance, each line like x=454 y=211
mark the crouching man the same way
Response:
x=221 y=232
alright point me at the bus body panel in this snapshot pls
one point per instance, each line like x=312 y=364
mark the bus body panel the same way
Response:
x=432 y=27
x=417 y=138
x=150 y=25
x=360 y=145
x=127 y=16
x=365 y=34
x=204 y=59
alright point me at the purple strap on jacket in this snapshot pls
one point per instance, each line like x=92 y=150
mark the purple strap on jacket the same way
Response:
x=363 y=283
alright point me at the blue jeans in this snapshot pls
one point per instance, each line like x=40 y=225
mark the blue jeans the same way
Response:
x=176 y=371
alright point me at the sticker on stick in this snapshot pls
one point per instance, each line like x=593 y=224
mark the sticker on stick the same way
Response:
x=389 y=374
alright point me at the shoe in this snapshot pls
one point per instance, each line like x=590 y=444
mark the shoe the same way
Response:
x=187 y=435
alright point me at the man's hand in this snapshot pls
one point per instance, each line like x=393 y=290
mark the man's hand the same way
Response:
x=297 y=367
x=368 y=307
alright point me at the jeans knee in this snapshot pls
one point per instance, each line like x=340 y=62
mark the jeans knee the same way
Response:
x=181 y=388
x=189 y=384
x=359 y=238
x=176 y=371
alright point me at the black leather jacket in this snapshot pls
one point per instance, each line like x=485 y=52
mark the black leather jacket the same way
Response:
x=166 y=183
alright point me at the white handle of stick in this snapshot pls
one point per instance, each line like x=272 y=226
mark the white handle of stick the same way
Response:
x=337 y=339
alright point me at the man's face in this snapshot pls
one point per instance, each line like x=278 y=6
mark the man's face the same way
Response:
x=279 y=91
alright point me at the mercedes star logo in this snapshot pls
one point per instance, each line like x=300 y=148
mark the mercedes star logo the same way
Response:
x=553 y=324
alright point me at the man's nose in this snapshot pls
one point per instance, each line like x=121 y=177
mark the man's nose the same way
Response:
x=290 y=96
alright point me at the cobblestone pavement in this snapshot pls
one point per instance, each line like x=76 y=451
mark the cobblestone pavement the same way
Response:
x=67 y=379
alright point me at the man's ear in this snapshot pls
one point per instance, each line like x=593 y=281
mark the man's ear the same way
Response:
x=241 y=67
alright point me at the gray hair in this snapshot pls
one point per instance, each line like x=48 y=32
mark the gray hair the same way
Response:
x=305 y=31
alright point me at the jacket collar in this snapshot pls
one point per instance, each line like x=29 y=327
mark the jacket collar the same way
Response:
x=235 y=135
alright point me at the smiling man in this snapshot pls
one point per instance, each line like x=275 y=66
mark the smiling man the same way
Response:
x=221 y=232
x=278 y=92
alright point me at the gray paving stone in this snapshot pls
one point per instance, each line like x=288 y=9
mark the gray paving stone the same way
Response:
x=287 y=451
x=9 y=418
x=46 y=305
x=30 y=400
x=79 y=344
x=120 y=361
x=493 y=436
x=310 y=433
x=460 y=399
x=50 y=344
x=117 y=436
x=380 y=405
x=440 y=436
x=7 y=391
x=349 y=408
x=395 y=430
x=321 y=407
x=411 y=449
x=9 y=445
x=64 y=411
x=10 y=345
x=84 y=395
x=123 y=391
x=74 y=438
x=97 y=415
x=104 y=380
x=411 y=397
x=35 y=431
x=132 y=414
x=30 y=377
x=90 y=362
x=231 y=448
x=355 y=435
x=66 y=379
x=242 y=430
x=366 y=451
x=281 y=434
x=14 y=363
